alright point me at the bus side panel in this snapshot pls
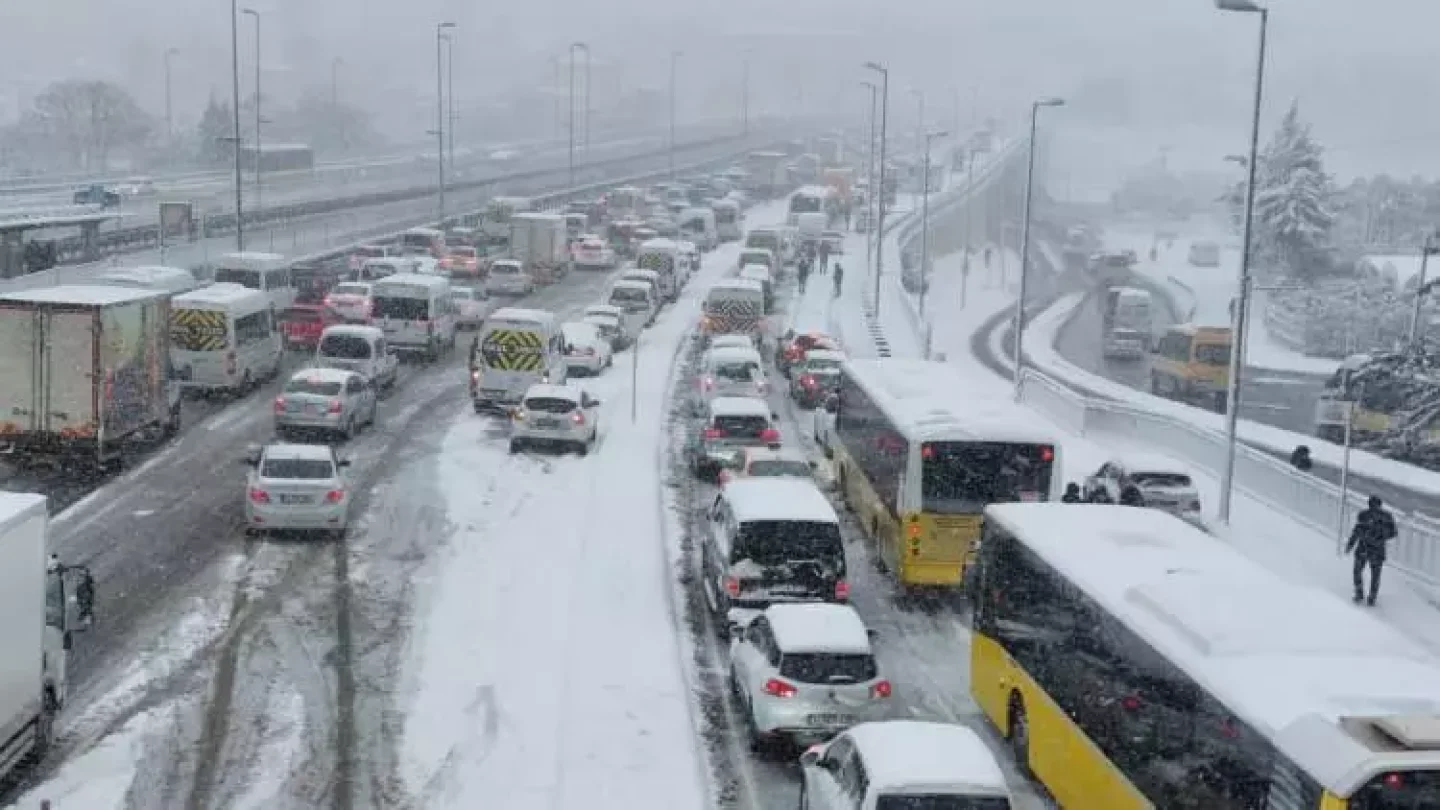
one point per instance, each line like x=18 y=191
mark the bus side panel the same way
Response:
x=1075 y=772
x=1332 y=802
x=874 y=518
x=939 y=554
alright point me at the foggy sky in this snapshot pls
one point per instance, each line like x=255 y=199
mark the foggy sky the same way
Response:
x=1139 y=75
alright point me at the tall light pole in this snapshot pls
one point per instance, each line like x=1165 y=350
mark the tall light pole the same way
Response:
x=575 y=46
x=745 y=93
x=1241 y=316
x=555 y=90
x=585 y=137
x=258 y=162
x=879 y=223
x=674 y=61
x=440 y=29
x=929 y=138
x=335 y=100
x=450 y=112
x=169 y=103
x=920 y=119
x=870 y=182
x=1025 y=238
x=971 y=152
x=235 y=104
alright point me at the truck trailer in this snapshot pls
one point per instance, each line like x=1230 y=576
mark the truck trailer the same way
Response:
x=1126 y=323
x=541 y=244
x=87 y=370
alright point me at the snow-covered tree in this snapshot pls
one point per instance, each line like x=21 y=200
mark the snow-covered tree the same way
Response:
x=1293 y=214
x=215 y=134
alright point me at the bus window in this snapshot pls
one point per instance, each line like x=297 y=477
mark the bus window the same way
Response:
x=963 y=477
x=1213 y=354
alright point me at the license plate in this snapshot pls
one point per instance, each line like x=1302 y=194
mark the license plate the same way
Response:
x=547 y=423
x=830 y=719
x=312 y=408
x=295 y=499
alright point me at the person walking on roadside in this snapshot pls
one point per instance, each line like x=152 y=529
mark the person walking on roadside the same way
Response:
x=839 y=278
x=1072 y=493
x=1374 y=527
x=803 y=274
x=824 y=256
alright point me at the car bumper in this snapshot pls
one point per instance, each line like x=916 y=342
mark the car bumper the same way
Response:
x=285 y=518
x=592 y=365
x=325 y=421
x=532 y=433
x=810 y=719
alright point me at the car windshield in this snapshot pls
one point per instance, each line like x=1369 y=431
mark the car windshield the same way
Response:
x=629 y=295
x=352 y=289
x=776 y=467
x=775 y=542
x=345 y=347
x=964 y=477
x=232 y=275
x=829 y=668
x=737 y=371
x=323 y=388
x=310 y=469
x=1160 y=479
x=549 y=405
x=921 y=801
x=504 y=270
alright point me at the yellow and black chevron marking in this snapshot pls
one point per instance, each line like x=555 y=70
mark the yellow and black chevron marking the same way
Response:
x=513 y=350
x=198 y=330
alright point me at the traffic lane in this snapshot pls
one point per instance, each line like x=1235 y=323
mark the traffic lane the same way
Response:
x=152 y=533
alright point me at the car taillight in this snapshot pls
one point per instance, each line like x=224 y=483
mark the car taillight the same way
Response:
x=707 y=383
x=714 y=433
x=329 y=301
x=230 y=363
x=807 y=380
x=259 y=495
x=1130 y=702
x=880 y=689
x=732 y=586
x=842 y=590
x=518 y=414
x=588 y=352
x=335 y=406
x=578 y=418
x=770 y=435
x=335 y=496
x=779 y=688
x=279 y=404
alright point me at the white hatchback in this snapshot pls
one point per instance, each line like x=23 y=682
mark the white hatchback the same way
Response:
x=557 y=416
x=509 y=278
x=586 y=350
x=805 y=670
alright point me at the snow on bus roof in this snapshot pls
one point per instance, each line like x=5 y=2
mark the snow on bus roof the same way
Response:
x=930 y=401
x=818 y=627
x=912 y=754
x=90 y=295
x=222 y=294
x=521 y=314
x=793 y=499
x=1278 y=654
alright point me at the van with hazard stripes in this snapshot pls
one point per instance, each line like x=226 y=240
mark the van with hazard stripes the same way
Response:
x=415 y=312
x=224 y=337
x=734 y=307
x=516 y=348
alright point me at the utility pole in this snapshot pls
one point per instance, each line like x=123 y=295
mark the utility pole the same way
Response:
x=880 y=200
x=440 y=29
x=259 y=164
x=745 y=94
x=674 y=60
x=235 y=105
x=169 y=103
x=450 y=80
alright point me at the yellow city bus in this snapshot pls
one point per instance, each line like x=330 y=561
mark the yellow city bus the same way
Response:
x=1192 y=363
x=1134 y=661
x=919 y=453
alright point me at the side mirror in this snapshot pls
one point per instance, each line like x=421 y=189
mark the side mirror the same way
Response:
x=873 y=634
x=812 y=759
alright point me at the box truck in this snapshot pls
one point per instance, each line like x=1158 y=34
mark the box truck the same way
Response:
x=86 y=370
x=541 y=244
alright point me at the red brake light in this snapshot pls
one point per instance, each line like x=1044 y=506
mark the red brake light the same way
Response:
x=707 y=383
x=1047 y=453
x=335 y=406
x=779 y=688
x=807 y=380
x=770 y=435
x=714 y=433
x=279 y=404
x=724 y=477
x=259 y=496
x=926 y=451
x=1229 y=730
x=1130 y=702
x=1394 y=781
x=881 y=689
x=329 y=301
x=578 y=418
x=732 y=586
x=842 y=590
x=335 y=496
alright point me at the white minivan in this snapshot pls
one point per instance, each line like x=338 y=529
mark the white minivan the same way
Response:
x=637 y=298
x=358 y=348
x=267 y=272
x=415 y=312
x=224 y=338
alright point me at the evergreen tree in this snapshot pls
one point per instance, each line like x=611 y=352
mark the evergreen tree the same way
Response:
x=214 y=132
x=1293 y=214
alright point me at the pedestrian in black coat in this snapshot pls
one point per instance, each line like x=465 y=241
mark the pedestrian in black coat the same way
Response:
x=1130 y=495
x=1072 y=493
x=1301 y=459
x=1374 y=528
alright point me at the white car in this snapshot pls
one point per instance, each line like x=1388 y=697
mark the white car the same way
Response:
x=768 y=462
x=730 y=372
x=733 y=342
x=611 y=318
x=805 y=671
x=296 y=487
x=325 y=400
x=352 y=300
x=1163 y=484
x=823 y=424
x=592 y=253
x=906 y=763
x=469 y=306
x=508 y=277
x=557 y=416
x=586 y=350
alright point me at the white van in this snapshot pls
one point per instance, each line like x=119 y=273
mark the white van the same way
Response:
x=361 y=349
x=415 y=312
x=422 y=242
x=654 y=279
x=698 y=225
x=729 y=220
x=172 y=280
x=516 y=348
x=638 y=300
x=663 y=257
x=224 y=338
x=267 y=272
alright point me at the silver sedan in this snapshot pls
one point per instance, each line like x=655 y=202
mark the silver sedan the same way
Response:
x=325 y=401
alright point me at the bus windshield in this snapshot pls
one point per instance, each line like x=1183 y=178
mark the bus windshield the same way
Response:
x=963 y=477
x=804 y=204
x=1213 y=354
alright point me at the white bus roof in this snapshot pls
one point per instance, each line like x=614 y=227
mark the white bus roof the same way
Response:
x=522 y=315
x=223 y=295
x=1290 y=660
x=90 y=295
x=409 y=280
x=930 y=401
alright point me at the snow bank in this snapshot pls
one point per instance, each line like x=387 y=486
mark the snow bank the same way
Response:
x=100 y=778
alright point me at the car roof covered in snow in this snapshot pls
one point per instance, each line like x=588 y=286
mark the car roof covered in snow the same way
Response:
x=739 y=406
x=632 y=284
x=311 y=452
x=931 y=401
x=605 y=309
x=579 y=330
x=320 y=374
x=90 y=295
x=732 y=341
x=224 y=294
x=825 y=354
x=1138 y=461
x=818 y=627
x=732 y=354
x=359 y=330
x=549 y=391
x=794 y=499
x=1283 y=657
x=904 y=755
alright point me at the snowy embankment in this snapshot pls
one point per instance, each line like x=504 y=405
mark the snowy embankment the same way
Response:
x=547 y=665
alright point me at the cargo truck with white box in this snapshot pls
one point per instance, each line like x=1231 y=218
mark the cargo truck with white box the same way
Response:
x=86 y=369
x=541 y=244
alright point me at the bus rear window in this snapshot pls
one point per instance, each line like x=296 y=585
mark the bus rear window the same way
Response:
x=233 y=275
x=1215 y=354
x=1400 y=790
x=964 y=477
x=403 y=309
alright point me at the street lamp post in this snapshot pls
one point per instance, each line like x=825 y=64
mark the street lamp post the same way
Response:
x=879 y=223
x=925 y=235
x=974 y=150
x=235 y=105
x=674 y=62
x=919 y=118
x=259 y=164
x=574 y=46
x=440 y=29
x=870 y=182
x=1417 y=331
x=450 y=104
x=745 y=94
x=335 y=101
x=1241 y=316
x=1019 y=360
x=585 y=133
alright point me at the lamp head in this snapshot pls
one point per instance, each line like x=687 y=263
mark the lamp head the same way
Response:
x=1247 y=6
